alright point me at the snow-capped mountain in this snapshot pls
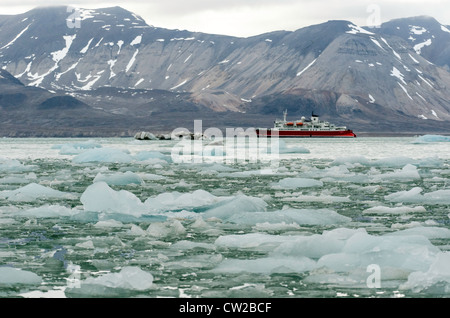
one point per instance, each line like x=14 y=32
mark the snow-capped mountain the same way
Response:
x=426 y=36
x=359 y=76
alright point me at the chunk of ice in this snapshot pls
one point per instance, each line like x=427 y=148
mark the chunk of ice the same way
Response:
x=13 y=276
x=236 y=205
x=119 y=178
x=166 y=229
x=408 y=172
x=103 y=155
x=414 y=196
x=394 y=210
x=99 y=197
x=13 y=165
x=32 y=192
x=431 y=138
x=76 y=148
x=293 y=183
x=430 y=232
x=266 y=265
x=177 y=200
x=49 y=211
x=130 y=278
x=298 y=216
x=150 y=155
x=437 y=274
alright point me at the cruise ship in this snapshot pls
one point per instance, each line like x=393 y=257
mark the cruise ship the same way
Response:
x=313 y=127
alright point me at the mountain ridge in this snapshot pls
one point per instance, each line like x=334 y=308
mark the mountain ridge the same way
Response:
x=355 y=73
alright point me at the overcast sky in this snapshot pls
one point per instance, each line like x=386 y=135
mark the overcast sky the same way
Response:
x=252 y=17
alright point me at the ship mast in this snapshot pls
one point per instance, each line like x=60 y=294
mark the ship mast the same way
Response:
x=284 y=115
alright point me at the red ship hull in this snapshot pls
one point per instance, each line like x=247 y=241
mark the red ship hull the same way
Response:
x=306 y=133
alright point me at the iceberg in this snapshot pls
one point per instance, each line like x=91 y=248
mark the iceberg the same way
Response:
x=166 y=229
x=236 y=205
x=32 y=192
x=266 y=265
x=431 y=138
x=99 y=197
x=119 y=178
x=251 y=241
x=293 y=183
x=298 y=216
x=152 y=156
x=394 y=210
x=13 y=165
x=437 y=274
x=76 y=148
x=414 y=196
x=390 y=162
x=49 y=211
x=430 y=232
x=129 y=278
x=13 y=276
x=103 y=155
x=176 y=200
x=407 y=173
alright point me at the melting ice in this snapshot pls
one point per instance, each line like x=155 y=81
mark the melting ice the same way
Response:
x=120 y=218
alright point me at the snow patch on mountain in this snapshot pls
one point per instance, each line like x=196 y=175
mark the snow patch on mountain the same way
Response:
x=18 y=36
x=137 y=40
x=443 y=28
x=414 y=60
x=396 y=73
x=418 y=47
x=405 y=90
x=306 y=68
x=61 y=54
x=119 y=44
x=418 y=30
x=181 y=84
x=133 y=59
x=358 y=30
x=86 y=48
x=139 y=82
x=376 y=42
x=111 y=64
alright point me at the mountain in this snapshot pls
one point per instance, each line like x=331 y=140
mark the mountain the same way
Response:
x=112 y=62
x=425 y=35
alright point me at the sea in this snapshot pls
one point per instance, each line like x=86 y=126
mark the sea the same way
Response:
x=365 y=217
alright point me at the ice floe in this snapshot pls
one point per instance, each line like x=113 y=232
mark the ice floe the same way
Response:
x=76 y=148
x=129 y=278
x=13 y=165
x=293 y=183
x=103 y=155
x=119 y=178
x=431 y=139
x=435 y=279
x=32 y=192
x=14 y=276
x=290 y=215
x=394 y=210
x=325 y=219
x=99 y=197
x=415 y=196
x=49 y=211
